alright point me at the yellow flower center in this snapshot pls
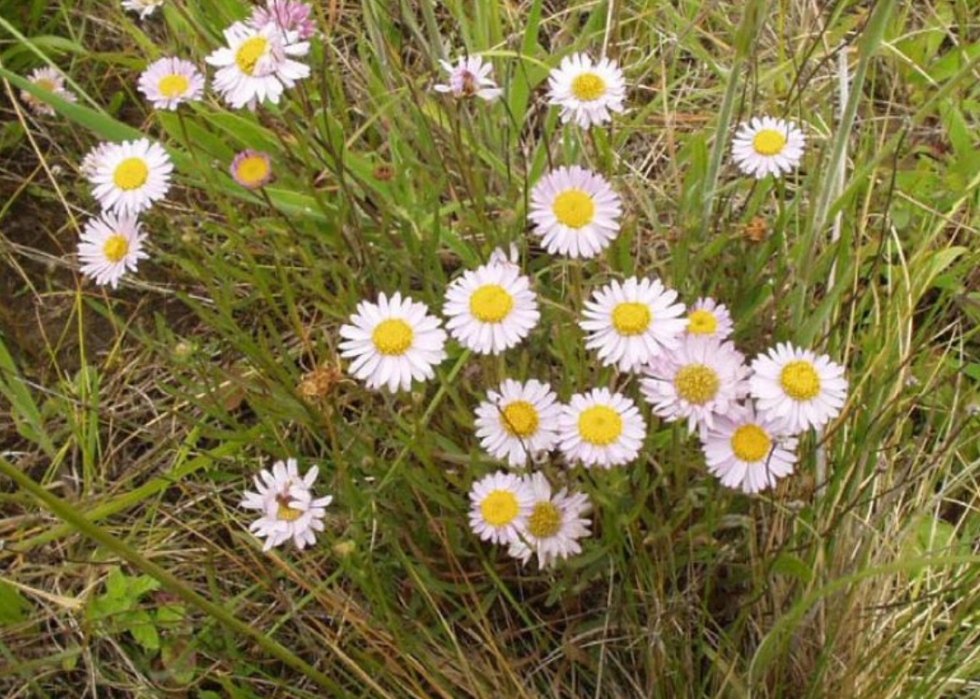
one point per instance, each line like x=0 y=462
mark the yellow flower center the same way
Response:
x=769 y=142
x=249 y=53
x=630 y=318
x=285 y=513
x=702 y=322
x=131 y=174
x=573 y=208
x=750 y=443
x=392 y=337
x=520 y=419
x=115 y=247
x=45 y=84
x=491 y=303
x=696 y=383
x=252 y=171
x=173 y=85
x=499 y=508
x=545 y=520
x=588 y=87
x=600 y=425
x=800 y=380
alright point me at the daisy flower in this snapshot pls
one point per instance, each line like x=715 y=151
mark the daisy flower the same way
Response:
x=600 y=428
x=499 y=506
x=129 y=176
x=49 y=80
x=251 y=169
x=287 y=15
x=471 y=76
x=797 y=387
x=491 y=308
x=585 y=92
x=168 y=82
x=700 y=379
x=575 y=212
x=144 y=7
x=708 y=318
x=554 y=526
x=747 y=451
x=519 y=421
x=767 y=146
x=288 y=508
x=392 y=342
x=110 y=246
x=632 y=322
x=257 y=64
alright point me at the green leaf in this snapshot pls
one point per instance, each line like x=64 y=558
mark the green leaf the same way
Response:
x=144 y=631
x=13 y=606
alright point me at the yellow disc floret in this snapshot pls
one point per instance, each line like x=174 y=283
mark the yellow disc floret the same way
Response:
x=173 y=85
x=499 y=507
x=573 y=208
x=545 y=520
x=630 y=318
x=600 y=425
x=750 y=443
x=696 y=383
x=130 y=174
x=800 y=380
x=115 y=247
x=392 y=337
x=491 y=303
x=520 y=419
x=769 y=142
x=701 y=322
x=249 y=53
x=588 y=87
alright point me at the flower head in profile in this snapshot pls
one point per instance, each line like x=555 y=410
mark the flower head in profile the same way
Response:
x=392 y=342
x=575 y=212
x=554 y=526
x=797 y=388
x=748 y=452
x=251 y=169
x=587 y=92
x=630 y=323
x=470 y=77
x=169 y=82
x=518 y=421
x=258 y=64
x=144 y=7
x=600 y=428
x=128 y=177
x=697 y=381
x=499 y=506
x=287 y=16
x=490 y=309
x=49 y=80
x=110 y=246
x=768 y=146
x=289 y=510
x=708 y=318
x=510 y=256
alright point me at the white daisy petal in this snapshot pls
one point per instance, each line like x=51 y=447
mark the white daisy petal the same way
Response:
x=748 y=452
x=499 y=506
x=554 y=525
x=110 y=246
x=128 y=177
x=169 y=82
x=50 y=80
x=470 y=77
